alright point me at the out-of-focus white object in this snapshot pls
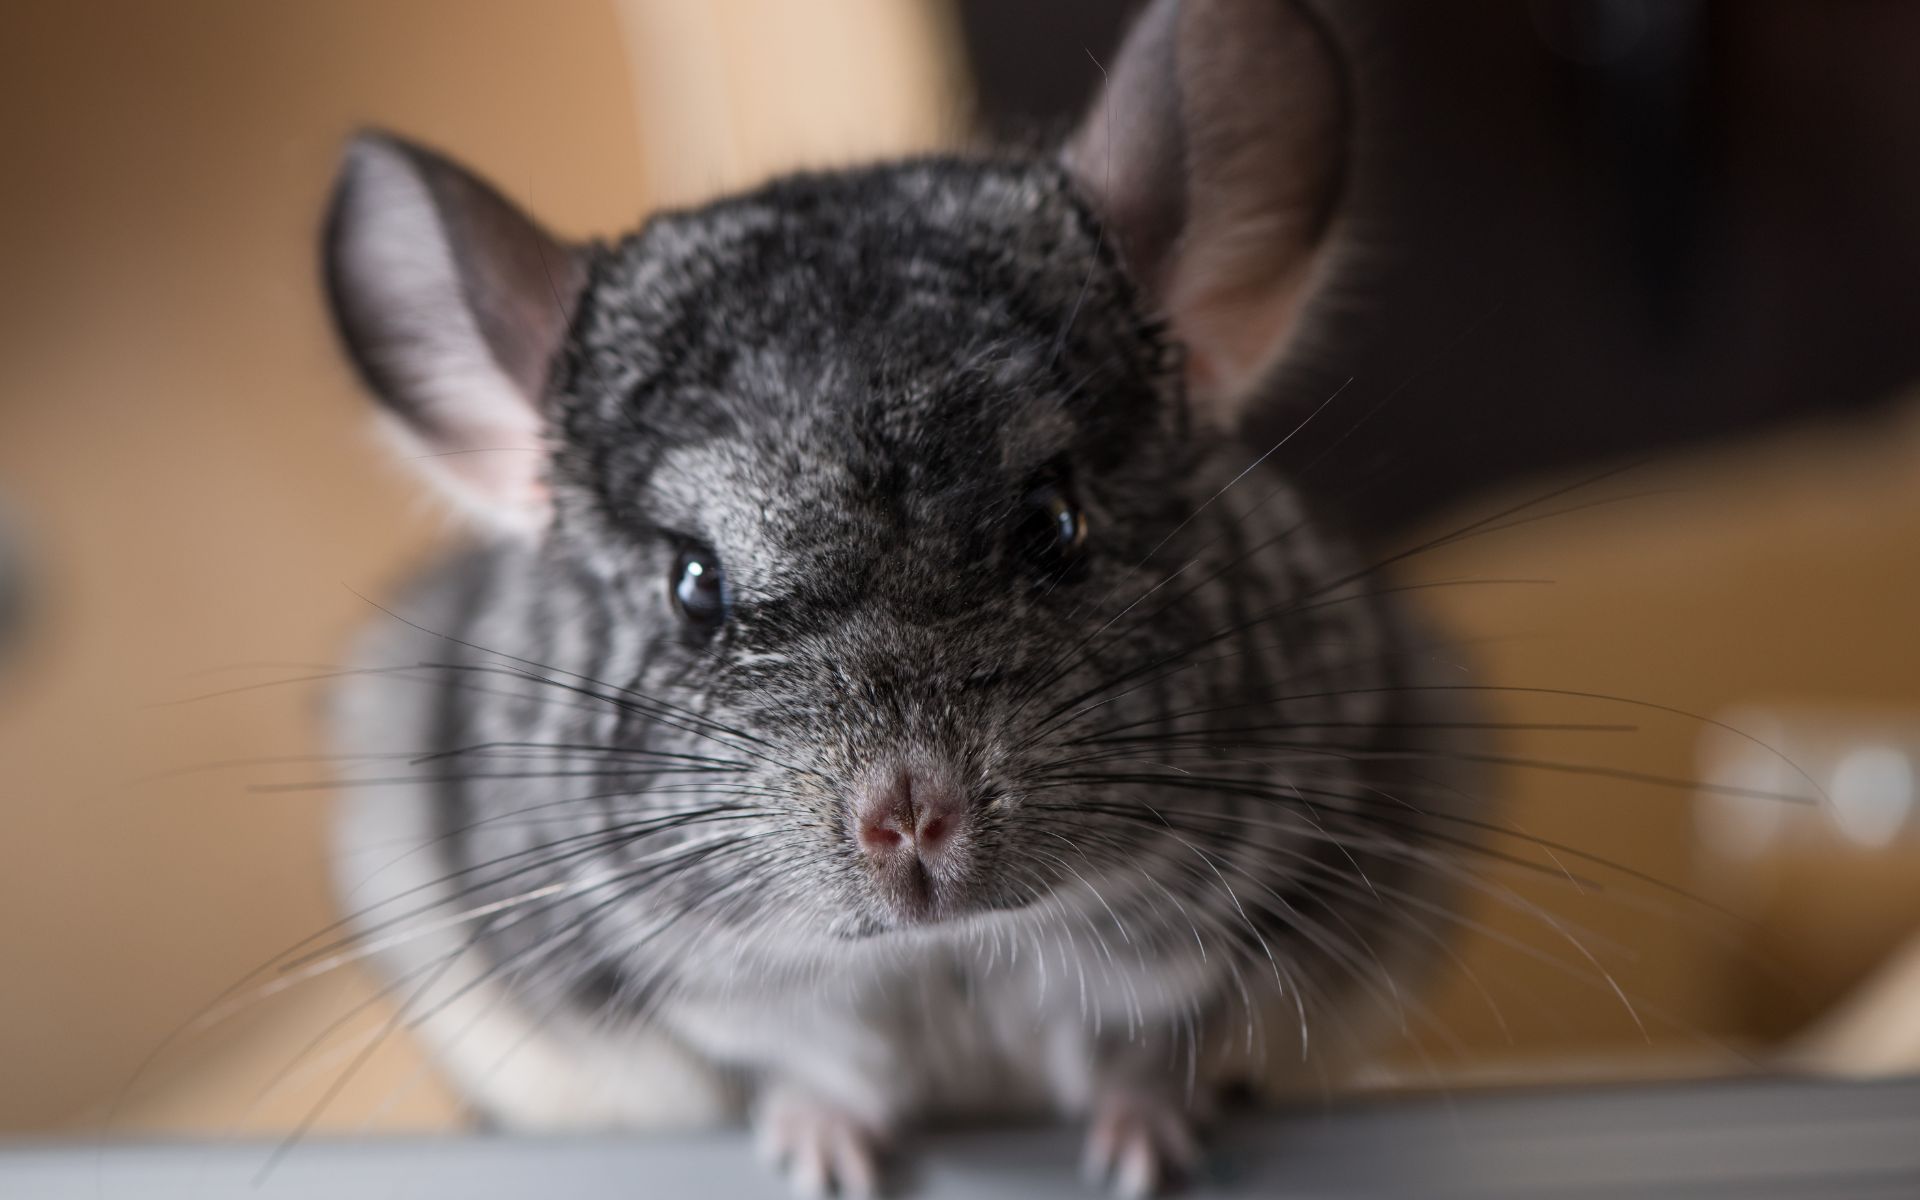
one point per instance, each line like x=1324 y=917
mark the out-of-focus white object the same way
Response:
x=1872 y=793
x=1801 y=778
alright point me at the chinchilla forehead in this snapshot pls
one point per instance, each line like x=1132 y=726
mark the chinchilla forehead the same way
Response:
x=853 y=463
x=899 y=320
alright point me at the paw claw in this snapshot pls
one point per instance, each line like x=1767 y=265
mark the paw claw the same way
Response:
x=825 y=1150
x=1139 y=1145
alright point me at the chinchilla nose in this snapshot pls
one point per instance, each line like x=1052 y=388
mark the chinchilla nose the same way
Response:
x=903 y=812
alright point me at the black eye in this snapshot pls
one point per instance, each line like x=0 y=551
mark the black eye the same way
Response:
x=699 y=587
x=1050 y=531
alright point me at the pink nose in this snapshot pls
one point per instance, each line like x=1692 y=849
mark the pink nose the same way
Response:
x=904 y=814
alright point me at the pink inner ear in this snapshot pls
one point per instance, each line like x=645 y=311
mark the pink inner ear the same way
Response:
x=505 y=477
x=496 y=473
x=1235 y=335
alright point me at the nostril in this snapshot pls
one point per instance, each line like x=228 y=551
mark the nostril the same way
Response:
x=884 y=816
x=933 y=830
x=879 y=836
x=905 y=810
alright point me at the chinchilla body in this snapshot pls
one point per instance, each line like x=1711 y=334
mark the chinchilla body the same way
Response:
x=849 y=387
x=889 y=682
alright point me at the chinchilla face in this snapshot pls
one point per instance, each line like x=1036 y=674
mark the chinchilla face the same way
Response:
x=872 y=551
x=890 y=475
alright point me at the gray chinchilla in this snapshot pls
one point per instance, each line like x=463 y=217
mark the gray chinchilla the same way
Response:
x=883 y=689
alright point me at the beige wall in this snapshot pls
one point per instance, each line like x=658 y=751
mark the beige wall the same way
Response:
x=192 y=463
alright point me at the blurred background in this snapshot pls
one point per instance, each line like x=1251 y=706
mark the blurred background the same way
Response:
x=1678 y=239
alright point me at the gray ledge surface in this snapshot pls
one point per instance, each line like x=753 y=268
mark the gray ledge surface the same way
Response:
x=1749 y=1138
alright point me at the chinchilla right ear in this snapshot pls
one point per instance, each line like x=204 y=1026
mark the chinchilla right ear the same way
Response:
x=1215 y=154
x=453 y=305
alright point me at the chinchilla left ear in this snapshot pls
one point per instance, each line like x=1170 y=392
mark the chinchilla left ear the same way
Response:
x=453 y=305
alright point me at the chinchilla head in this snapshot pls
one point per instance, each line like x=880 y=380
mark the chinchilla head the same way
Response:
x=873 y=551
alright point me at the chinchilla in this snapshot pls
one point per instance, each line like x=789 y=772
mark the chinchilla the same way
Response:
x=881 y=686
